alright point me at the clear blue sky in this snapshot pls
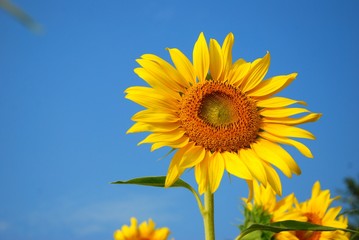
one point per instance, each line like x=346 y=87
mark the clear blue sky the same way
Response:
x=64 y=116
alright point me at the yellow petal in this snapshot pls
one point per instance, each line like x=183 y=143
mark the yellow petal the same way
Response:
x=281 y=154
x=271 y=86
x=250 y=190
x=216 y=60
x=149 y=116
x=138 y=127
x=201 y=174
x=259 y=69
x=254 y=164
x=286 y=131
x=161 y=233
x=281 y=112
x=311 y=117
x=146 y=229
x=277 y=102
x=163 y=137
x=238 y=72
x=174 y=171
x=227 y=55
x=235 y=166
x=118 y=235
x=152 y=127
x=316 y=189
x=273 y=179
x=129 y=231
x=192 y=157
x=172 y=73
x=331 y=214
x=201 y=58
x=257 y=193
x=298 y=145
x=155 y=84
x=179 y=143
x=159 y=74
x=215 y=170
x=183 y=65
x=267 y=151
x=150 y=98
x=151 y=102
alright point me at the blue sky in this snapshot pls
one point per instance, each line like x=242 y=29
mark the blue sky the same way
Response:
x=64 y=115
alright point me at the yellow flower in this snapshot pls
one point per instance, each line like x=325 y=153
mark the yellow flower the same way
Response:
x=317 y=211
x=146 y=231
x=265 y=198
x=219 y=115
x=264 y=209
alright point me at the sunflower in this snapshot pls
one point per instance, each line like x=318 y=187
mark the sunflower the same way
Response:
x=219 y=115
x=317 y=211
x=146 y=231
x=266 y=199
x=265 y=209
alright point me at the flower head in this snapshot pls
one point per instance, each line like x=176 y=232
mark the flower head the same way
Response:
x=219 y=115
x=264 y=209
x=266 y=199
x=317 y=211
x=146 y=231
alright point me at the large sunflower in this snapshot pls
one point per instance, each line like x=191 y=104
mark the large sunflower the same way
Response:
x=219 y=115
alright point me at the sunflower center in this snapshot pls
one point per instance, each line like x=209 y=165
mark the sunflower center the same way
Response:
x=219 y=117
x=217 y=109
x=310 y=235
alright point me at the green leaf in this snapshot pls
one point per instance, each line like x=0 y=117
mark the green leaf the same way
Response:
x=289 y=225
x=159 y=181
x=255 y=235
x=156 y=181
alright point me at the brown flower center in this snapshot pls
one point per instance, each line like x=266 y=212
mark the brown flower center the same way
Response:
x=310 y=235
x=219 y=117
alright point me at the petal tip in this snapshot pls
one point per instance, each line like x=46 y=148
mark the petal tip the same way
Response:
x=294 y=75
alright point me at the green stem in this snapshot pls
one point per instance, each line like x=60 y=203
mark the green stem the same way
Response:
x=208 y=215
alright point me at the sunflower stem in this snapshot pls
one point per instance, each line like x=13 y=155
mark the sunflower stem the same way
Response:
x=208 y=215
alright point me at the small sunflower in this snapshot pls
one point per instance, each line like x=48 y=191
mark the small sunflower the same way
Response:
x=146 y=231
x=266 y=199
x=219 y=115
x=265 y=209
x=317 y=211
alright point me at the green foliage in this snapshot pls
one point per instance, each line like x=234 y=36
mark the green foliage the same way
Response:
x=159 y=181
x=351 y=199
x=252 y=217
x=155 y=181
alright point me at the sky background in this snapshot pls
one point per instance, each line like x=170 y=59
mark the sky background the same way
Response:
x=63 y=115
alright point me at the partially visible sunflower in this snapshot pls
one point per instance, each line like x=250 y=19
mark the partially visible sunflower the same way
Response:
x=317 y=211
x=266 y=199
x=219 y=115
x=146 y=231
x=264 y=209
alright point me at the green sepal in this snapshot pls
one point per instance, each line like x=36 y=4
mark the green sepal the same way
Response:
x=289 y=225
x=256 y=216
